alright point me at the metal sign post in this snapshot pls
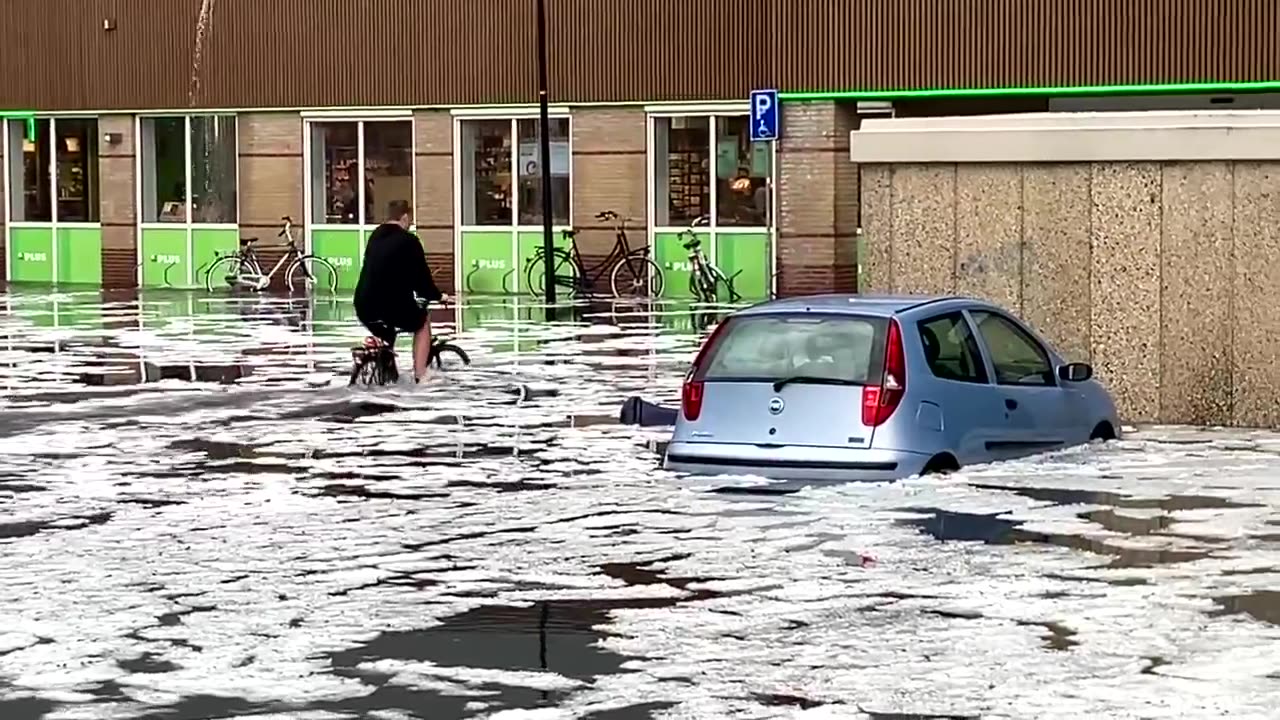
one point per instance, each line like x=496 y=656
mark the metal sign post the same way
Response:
x=544 y=151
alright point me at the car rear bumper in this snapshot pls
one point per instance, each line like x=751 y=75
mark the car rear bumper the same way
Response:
x=792 y=462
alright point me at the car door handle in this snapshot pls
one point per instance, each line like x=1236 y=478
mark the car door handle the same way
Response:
x=1011 y=404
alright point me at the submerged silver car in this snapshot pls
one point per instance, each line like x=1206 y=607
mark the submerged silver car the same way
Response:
x=878 y=388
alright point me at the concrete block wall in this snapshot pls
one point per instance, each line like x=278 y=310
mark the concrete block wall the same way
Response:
x=817 y=200
x=1164 y=275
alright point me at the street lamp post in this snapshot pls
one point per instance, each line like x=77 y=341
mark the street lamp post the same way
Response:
x=544 y=150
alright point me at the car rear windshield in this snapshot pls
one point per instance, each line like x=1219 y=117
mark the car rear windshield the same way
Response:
x=774 y=347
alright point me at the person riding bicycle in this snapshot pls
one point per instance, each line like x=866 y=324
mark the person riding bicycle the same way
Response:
x=394 y=272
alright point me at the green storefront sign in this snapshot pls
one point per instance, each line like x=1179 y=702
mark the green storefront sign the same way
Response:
x=493 y=264
x=55 y=255
x=497 y=261
x=179 y=257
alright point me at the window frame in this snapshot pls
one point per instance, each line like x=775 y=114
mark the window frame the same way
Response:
x=144 y=146
x=53 y=223
x=713 y=229
x=363 y=225
x=1026 y=334
x=513 y=119
x=984 y=362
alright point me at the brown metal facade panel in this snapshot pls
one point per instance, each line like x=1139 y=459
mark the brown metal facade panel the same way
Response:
x=917 y=44
x=174 y=54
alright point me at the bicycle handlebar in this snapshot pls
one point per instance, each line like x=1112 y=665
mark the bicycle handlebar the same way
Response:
x=700 y=220
x=288 y=225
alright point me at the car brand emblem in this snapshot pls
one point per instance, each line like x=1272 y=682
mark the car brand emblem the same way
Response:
x=776 y=405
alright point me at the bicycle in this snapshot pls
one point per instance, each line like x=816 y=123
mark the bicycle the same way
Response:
x=374 y=362
x=242 y=268
x=628 y=269
x=704 y=276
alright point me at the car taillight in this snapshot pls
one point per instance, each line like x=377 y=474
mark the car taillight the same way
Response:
x=692 y=392
x=879 y=403
x=691 y=399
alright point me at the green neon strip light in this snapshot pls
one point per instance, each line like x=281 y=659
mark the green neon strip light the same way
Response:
x=29 y=117
x=1075 y=90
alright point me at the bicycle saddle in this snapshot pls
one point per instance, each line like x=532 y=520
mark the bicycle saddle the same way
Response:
x=248 y=241
x=373 y=342
x=569 y=232
x=606 y=215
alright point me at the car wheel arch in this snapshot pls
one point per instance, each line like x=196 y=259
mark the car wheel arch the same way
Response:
x=1103 y=431
x=942 y=463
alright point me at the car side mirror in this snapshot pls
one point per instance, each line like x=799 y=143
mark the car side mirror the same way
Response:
x=1075 y=372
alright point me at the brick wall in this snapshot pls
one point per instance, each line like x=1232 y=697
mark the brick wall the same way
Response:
x=817 y=200
x=271 y=180
x=433 y=178
x=609 y=173
x=117 y=201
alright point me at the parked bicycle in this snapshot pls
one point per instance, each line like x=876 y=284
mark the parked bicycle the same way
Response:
x=631 y=271
x=242 y=268
x=704 y=277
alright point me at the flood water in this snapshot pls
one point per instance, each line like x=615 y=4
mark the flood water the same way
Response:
x=198 y=519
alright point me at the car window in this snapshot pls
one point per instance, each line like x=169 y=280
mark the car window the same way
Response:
x=773 y=347
x=1017 y=357
x=951 y=350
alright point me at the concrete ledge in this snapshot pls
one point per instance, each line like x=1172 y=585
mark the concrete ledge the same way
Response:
x=1070 y=137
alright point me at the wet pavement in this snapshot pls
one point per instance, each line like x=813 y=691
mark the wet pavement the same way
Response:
x=198 y=519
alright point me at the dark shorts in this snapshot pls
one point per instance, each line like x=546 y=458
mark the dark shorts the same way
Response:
x=385 y=320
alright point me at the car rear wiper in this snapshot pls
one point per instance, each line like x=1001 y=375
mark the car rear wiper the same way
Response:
x=813 y=380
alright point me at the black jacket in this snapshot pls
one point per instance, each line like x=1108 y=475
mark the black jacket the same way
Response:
x=394 y=267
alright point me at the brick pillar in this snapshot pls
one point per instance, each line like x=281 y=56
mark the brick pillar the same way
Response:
x=117 y=202
x=817 y=200
x=433 y=193
x=269 y=146
x=609 y=173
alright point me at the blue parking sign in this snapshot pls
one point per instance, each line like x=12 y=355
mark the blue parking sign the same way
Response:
x=764 y=115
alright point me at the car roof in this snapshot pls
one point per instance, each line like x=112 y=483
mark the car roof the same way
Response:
x=876 y=305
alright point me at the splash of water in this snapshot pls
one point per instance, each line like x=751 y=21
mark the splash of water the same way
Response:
x=203 y=26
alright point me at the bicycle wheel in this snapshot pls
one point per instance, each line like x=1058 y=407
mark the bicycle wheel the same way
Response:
x=447 y=356
x=374 y=368
x=226 y=272
x=565 y=270
x=702 y=288
x=311 y=271
x=636 y=276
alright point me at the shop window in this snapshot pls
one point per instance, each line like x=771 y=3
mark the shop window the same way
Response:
x=213 y=169
x=691 y=173
x=743 y=169
x=682 y=166
x=388 y=167
x=54 y=173
x=358 y=168
x=76 y=148
x=29 y=172
x=530 y=199
x=486 y=172
x=189 y=169
x=488 y=166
